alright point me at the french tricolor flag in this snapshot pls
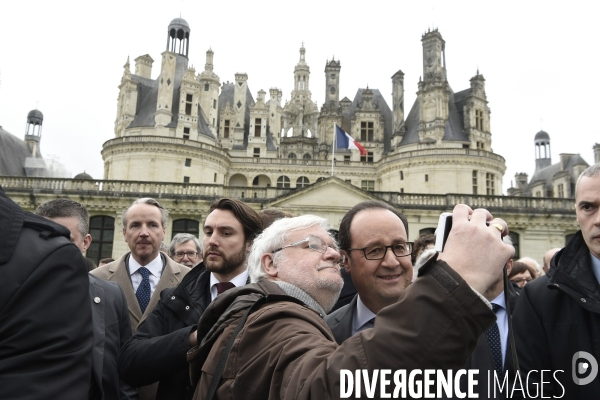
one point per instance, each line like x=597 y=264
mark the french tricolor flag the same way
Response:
x=345 y=141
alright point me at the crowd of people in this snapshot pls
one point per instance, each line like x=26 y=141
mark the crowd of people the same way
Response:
x=267 y=305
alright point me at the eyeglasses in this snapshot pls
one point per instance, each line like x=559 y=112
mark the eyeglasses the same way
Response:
x=314 y=243
x=378 y=252
x=523 y=281
x=191 y=254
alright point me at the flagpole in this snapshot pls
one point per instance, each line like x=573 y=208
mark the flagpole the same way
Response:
x=333 y=146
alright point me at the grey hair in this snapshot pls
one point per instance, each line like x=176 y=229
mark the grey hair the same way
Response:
x=181 y=238
x=274 y=237
x=163 y=247
x=65 y=208
x=164 y=214
x=590 y=172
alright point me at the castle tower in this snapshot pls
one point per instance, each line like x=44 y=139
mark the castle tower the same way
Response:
x=177 y=46
x=434 y=92
x=542 y=150
x=128 y=93
x=241 y=120
x=275 y=114
x=301 y=75
x=209 y=92
x=178 y=37
x=434 y=57
x=477 y=115
x=332 y=84
x=398 y=105
x=33 y=132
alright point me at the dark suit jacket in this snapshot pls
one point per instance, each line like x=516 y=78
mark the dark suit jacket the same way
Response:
x=340 y=321
x=45 y=315
x=483 y=360
x=111 y=330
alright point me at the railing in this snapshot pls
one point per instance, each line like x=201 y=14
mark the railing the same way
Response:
x=532 y=205
x=163 y=140
x=444 y=152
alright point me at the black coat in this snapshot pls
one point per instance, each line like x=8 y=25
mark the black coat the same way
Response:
x=557 y=316
x=157 y=351
x=111 y=330
x=46 y=333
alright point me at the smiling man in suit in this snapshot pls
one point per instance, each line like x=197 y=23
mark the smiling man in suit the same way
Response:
x=373 y=239
x=144 y=272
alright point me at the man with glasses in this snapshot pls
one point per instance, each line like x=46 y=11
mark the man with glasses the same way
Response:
x=186 y=249
x=157 y=352
x=374 y=244
x=281 y=347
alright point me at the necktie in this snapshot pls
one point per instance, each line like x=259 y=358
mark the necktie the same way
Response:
x=369 y=324
x=223 y=286
x=493 y=337
x=143 y=291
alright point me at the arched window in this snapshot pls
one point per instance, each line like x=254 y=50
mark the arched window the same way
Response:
x=102 y=229
x=322 y=178
x=292 y=155
x=302 y=182
x=255 y=181
x=283 y=182
x=306 y=156
x=186 y=226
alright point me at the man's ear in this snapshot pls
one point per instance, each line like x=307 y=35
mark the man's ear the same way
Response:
x=509 y=266
x=87 y=240
x=124 y=238
x=268 y=266
x=248 y=246
x=345 y=261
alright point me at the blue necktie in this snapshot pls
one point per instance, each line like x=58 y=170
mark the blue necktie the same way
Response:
x=143 y=291
x=493 y=337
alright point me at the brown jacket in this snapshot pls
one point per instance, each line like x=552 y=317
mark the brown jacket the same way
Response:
x=287 y=351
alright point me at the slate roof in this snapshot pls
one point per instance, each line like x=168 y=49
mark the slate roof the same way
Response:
x=542 y=135
x=546 y=174
x=226 y=97
x=382 y=106
x=148 y=96
x=454 y=129
x=13 y=153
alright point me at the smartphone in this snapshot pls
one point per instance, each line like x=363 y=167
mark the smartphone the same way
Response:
x=442 y=231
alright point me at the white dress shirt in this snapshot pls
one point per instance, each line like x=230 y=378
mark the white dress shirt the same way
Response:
x=155 y=267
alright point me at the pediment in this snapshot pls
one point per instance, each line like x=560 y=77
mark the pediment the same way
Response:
x=328 y=194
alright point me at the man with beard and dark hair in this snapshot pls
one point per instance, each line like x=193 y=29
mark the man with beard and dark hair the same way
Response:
x=157 y=352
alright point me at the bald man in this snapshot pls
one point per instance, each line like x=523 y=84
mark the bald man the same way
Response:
x=548 y=257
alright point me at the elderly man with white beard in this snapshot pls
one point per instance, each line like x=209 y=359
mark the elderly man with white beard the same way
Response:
x=269 y=339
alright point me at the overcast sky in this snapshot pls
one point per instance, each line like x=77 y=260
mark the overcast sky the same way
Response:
x=539 y=59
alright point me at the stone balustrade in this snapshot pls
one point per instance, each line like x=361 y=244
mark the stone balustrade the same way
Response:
x=532 y=205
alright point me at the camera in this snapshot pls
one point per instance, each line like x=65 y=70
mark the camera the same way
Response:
x=443 y=230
